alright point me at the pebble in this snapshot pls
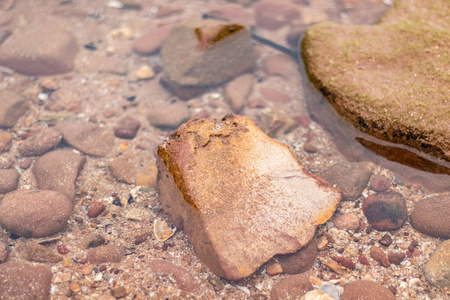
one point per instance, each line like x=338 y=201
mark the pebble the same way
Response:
x=437 y=269
x=106 y=254
x=333 y=265
x=255 y=167
x=145 y=72
x=85 y=269
x=366 y=290
x=385 y=211
x=122 y=170
x=291 y=287
x=272 y=14
x=92 y=240
x=386 y=240
x=300 y=261
x=274 y=269
x=26 y=163
x=5 y=141
x=274 y=96
x=127 y=128
x=148 y=176
x=184 y=280
x=12 y=107
x=237 y=91
x=38 y=253
x=40 y=143
x=379 y=183
x=94 y=209
x=396 y=258
x=34 y=213
x=345 y=261
x=74 y=287
x=346 y=221
x=23 y=281
x=232 y=13
x=162 y=230
x=152 y=41
x=363 y=260
x=9 y=179
x=169 y=115
x=85 y=137
x=58 y=171
x=4 y=252
x=280 y=65
x=39 y=50
x=432 y=216
x=119 y=292
x=350 y=177
x=188 y=51
x=378 y=255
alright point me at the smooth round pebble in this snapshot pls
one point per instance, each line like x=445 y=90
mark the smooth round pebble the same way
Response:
x=432 y=216
x=437 y=269
x=40 y=143
x=152 y=41
x=169 y=115
x=23 y=281
x=34 y=213
x=105 y=254
x=385 y=211
x=380 y=183
x=9 y=179
x=366 y=290
x=127 y=128
x=272 y=14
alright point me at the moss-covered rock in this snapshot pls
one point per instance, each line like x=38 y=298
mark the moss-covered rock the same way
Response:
x=391 y=80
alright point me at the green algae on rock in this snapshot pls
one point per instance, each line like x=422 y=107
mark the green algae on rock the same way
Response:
x=390 y=80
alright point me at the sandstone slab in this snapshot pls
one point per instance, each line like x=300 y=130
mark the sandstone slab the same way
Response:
x=241 y=196
x=23 y=281
x=87 y=137
x=391 y=79
x=12 y=107
x=206 y=53
x=58 y=171
x=34 y=213
x=39 y=50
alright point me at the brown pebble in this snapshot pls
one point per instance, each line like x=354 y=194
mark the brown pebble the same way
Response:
x=365 y=289
x=274 y=269
x=95 y=208
x=119 y=292
x=274 y=96
x=379 y=183
x=386 y=240
x=4 y=252
x=139 y=239
x=38 y=253
x=62 y=249
x=102 y=268
x=363 y=260
x=5 y=141
x=40 y=143
x=310 y=148
x=26 y=163
x=347 y=221
x=300 y=261
x=9 y=179
x=385 y=211
x=396 y=257
x=346 y=262
x=127 y=128
x=107 y=253
x=303 y=120
x=378 y=255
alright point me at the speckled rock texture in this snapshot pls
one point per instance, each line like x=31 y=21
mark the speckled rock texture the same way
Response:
x=437 y=269
x=366 y=290
x=391 y=79
x=241 y=196
x=432 y=216
x=12 y=107
x=24 y=281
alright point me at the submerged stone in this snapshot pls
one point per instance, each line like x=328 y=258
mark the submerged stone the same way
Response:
x=206 y=53
x=391 y=79
x=241 y=196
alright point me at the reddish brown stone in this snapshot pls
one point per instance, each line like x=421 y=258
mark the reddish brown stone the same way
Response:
x=348 y=221
x=378 y=254
x=272 y=14
x=40 y=143
x=367 y=290
x=300 y=261
x=12 y=107
x=346 y=262
x=396 y=257
x=105 y=254
x=275 y=96
x=127 y=128
x=379 y=183
x=292 y=287
x=385 y=211
x=227 y=181
x=184 y=280
x=9 y=179
x=5 y=141
x=94 y=209
x=152 y=41
x=363 y=260
x=432 y=216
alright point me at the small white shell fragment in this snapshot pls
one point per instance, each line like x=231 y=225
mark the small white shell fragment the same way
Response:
x=162 y=230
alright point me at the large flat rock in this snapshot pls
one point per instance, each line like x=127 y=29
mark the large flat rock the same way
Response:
x=391 y=79
x=241 y=196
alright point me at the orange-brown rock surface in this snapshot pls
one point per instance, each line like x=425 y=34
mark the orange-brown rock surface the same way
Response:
x=241 y=196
